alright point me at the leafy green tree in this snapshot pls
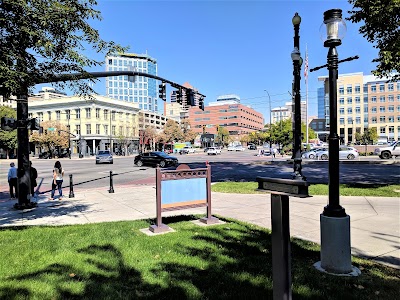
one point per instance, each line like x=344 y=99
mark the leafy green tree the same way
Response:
x=381 y=26
x=41 y=38
x=223 y=136
x=8 y=139
x=172 y=132
x=311 y=133
x=188 y=134
x=370 y=136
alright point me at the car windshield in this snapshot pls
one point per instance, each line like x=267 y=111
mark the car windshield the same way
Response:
x=101 y=152
x=162 y=154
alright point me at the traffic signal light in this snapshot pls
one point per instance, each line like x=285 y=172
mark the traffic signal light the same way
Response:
x=34 y=124
x=190 y=97
x=201 y=103
x=8 y=124
x=162 y=92
x=178 y=94
x=217 y=128
x=204 y=129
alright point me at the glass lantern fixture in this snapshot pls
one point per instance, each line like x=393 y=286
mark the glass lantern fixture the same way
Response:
x=296 y=54
x=333 y=29
x=296 y=20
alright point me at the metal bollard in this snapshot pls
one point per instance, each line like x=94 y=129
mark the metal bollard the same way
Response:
x=71 y=187
x=111 y=190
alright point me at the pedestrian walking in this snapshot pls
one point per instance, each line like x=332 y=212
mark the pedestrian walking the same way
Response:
x=34 y=176
x=13 y=181
x=58 y=173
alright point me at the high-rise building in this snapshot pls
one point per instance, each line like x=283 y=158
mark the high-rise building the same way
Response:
x=143 y=91
x=365 y=101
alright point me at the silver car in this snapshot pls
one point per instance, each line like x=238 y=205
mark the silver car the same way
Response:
x=311 y=154
x=344 y=153
x=104 y=156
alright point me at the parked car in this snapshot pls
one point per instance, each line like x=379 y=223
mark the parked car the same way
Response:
x=239 y=148
x=45 y=155
x=344 y=153
x=231 y=148
x=251 y=147
x=213 y=150
x=155 y=158
x=311 y=154
x=387 y=152
x=187 y=150
x=104 y=156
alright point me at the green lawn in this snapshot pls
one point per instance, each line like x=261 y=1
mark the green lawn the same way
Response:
x=314 y=189
x=117 y=261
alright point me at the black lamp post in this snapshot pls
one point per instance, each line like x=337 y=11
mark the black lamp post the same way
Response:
x=335 y=223
x=297 y=61
x=333 y=22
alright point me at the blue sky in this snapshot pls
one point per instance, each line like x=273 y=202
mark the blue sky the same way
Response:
x=231 y=47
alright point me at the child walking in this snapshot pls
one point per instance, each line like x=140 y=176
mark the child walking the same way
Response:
x=58 y=173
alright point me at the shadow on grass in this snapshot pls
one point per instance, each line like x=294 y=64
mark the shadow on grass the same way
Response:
x=227 y=261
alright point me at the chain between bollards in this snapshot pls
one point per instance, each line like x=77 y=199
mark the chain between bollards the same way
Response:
x=111 y=190
x=71 y=187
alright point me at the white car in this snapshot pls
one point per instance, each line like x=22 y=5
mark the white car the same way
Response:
x=213 y=151
x=344 y=153
x=187 y=150
x=239 y=148
x=231 y=148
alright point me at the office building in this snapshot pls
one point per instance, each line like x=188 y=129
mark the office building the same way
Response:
x=365 y=101
x=143 y=91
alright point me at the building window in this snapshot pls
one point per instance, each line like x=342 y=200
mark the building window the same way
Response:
x=113 y=130
x=58 y=115
x=88 y=129
x=113 y=115
x=391 y=108
x=373 y=109
x=365 y=88
x=97 y=128
x=373 y=99
x=341 y=111
x=349 y=110
x=349 y=120
x=391 y=119
x=68 y=114
x=341 y=90
x=382 y=87
x=390 y=87
x=373 y=88
x=390 y=98
x=382 y=119
x=106 y=129
x=398 y=108
x=349 y=100
x=78 y=129
x=382 y=129
x=349 y=89
x=40 y=116
x=382 y=109
x=97 y=113
x=366 y=99
x=357 y=88
x=391 y=129
x=121 y=130
x=357 y=99
x=398 y=86
x=341 y=121
x=88 y=113
x=382 y=99
x=365 y=108
x=77 y=113
x=373 y=120
x=341 y=101
x=358 y=120
x=358 y=110
x=398 y=98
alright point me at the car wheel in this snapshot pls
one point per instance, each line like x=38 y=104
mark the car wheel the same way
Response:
x=350 y=156
x=208 y=153
x=311 y=156
x=386 y=155
x=112 y=162
x=139 y=163
x=162 y=164
x=324 y=156
x=97 y=162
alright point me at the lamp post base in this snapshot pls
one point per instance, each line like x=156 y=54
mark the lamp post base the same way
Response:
x=335 y=246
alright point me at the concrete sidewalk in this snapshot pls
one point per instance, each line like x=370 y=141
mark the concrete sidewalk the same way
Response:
x=375 y=225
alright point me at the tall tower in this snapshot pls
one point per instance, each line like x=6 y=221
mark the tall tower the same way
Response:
x=143 y=91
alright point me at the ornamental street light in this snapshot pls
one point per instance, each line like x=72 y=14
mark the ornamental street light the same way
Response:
x=297 y=61
x=335 y=223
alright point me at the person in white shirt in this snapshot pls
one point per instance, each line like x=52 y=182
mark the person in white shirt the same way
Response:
x=58 y=173
x=13 y=181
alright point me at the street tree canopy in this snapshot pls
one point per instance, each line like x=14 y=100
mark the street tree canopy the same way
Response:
x=43 y=38
x=381 y=26
x=8 y=139
x=58 y=136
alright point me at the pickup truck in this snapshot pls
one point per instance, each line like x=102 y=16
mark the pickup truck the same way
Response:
x=389 y=151
x=187 y=150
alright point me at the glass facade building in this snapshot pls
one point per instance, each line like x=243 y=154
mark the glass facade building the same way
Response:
x=143 y=91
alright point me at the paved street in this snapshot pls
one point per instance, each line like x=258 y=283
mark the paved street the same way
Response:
x=246 y=165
